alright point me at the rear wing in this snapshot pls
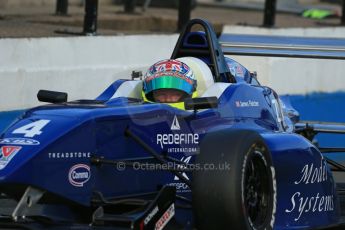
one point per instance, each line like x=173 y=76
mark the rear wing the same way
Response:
x=283 y=46
x=311 y=128
x=321 y=127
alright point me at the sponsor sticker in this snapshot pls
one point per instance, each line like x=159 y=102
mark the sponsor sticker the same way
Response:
x=6 y=154
x=19 y=141
x=185 y=160
x=180 y=186
x=175 y=124
x=79 y=174
x=248 y=103
x=301 y=202
x=151 y=215
x=239 y=71
x=187 y=142
x=165 y=218
x=236 y=69
x=69 y=155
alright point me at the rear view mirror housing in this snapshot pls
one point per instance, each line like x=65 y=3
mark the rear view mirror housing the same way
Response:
x=52 y=96
x=200 y=103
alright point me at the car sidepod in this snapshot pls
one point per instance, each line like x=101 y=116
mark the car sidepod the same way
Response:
x=306 y=192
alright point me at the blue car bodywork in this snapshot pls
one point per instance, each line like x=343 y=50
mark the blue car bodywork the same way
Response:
x=77 y=152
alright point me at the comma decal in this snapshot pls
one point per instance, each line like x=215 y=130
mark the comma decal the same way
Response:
x=79 y=174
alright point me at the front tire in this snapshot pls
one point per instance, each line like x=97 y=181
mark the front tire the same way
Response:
x=240 y=193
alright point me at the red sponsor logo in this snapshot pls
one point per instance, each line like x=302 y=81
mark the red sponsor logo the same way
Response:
x=9 y=150
x=165 y=218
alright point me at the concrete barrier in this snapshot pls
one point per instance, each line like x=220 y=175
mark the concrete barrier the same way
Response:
x=295 y=75
x=84 y=66
x=81 y=66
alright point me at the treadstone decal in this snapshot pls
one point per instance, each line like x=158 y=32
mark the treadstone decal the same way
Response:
x=6 y=154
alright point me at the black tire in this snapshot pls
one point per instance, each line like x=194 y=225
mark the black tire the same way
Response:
x=242 y=197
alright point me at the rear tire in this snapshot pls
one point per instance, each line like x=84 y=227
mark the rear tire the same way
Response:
x=241 y=194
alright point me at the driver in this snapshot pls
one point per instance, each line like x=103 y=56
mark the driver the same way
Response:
x=169 y=81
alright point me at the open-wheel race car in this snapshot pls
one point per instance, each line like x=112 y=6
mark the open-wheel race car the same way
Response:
x=237 y=156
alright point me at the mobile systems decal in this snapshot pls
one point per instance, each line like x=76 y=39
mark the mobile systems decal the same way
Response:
x=301 y=203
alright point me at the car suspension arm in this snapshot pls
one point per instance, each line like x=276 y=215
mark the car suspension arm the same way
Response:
x=181 y=166
x=339 y=167
x=132 y=163
x=331 y=150
x=157 y=156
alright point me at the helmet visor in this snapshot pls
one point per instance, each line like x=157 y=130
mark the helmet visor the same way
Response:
x=169 y=82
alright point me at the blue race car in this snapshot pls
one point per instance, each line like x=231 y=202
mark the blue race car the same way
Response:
x=236 y=157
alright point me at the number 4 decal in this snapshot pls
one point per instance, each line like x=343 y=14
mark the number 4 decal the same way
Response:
x=32 y=129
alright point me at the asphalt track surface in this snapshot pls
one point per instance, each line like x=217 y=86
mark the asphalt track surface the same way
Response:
x=33 y=21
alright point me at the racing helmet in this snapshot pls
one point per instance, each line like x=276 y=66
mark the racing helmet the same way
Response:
x=169 y=74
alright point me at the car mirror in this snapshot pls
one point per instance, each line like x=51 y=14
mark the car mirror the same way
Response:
x=200 y=103
x=51 y=96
